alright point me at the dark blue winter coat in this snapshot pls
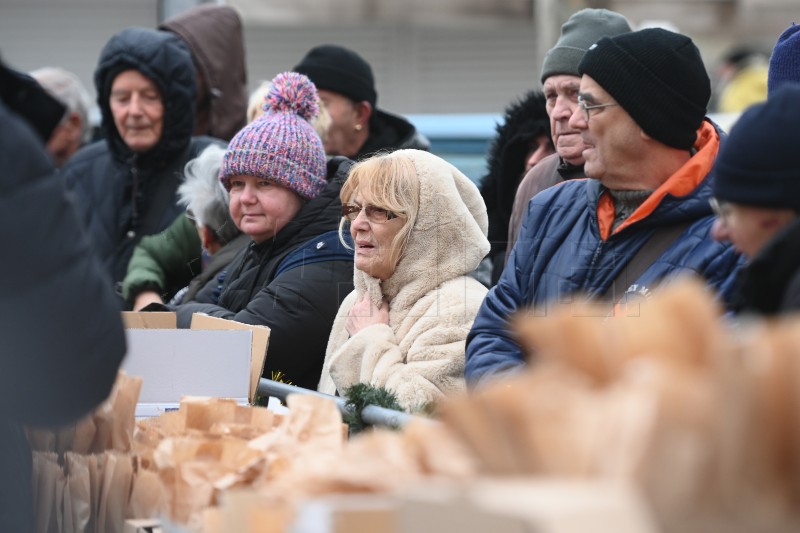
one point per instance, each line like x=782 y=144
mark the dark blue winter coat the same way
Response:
x=560 y=252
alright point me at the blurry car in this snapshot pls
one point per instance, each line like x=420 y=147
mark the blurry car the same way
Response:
x=461 y=139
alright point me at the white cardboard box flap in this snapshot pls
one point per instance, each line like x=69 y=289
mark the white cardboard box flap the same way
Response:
x=186 y=362
x=258 y=349
x=175 y=363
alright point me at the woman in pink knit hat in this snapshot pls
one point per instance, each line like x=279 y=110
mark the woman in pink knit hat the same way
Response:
x=294 y=273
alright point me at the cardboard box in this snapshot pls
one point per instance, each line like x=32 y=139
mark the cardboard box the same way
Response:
x=541 y=504
x=510 y=505
x=216 y=357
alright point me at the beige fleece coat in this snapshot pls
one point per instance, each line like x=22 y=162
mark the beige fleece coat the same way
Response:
x=419 y=355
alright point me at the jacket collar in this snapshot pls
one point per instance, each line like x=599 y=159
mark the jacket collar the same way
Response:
x=689 y=186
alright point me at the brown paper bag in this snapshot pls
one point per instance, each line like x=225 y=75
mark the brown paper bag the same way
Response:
x=46 y=475
x=79 y=508
x=147 y=499
x=124 y=398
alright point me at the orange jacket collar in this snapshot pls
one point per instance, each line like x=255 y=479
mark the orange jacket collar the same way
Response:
x=684 y=181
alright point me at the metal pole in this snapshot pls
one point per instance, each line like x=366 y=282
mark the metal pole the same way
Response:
x=371 y=414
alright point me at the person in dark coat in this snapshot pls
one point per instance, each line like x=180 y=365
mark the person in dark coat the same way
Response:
x=757 y=199
x=523 y=139
x=215 y=39
x=61 y=330
x=347 y=89
x=125 y=185
x=295 y=273
x=649 y=153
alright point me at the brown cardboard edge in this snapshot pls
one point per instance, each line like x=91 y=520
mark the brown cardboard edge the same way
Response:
x=258 y=348
x=156 y=320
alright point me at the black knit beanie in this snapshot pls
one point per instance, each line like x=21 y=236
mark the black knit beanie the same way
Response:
x=658 y=77
x=757 y=163
x=340 y=70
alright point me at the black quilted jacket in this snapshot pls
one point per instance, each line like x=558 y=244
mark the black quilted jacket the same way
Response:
x=116 y=189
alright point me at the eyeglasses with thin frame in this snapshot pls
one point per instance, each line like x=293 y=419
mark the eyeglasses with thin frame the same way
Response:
x=721 y=208
x=588 y=107
x=375 y=214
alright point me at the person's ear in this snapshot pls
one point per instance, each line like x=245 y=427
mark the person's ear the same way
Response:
x=74 y=123
x=206 y=237
x=363 y=113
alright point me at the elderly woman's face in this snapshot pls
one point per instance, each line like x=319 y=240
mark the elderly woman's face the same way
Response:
x=373 y=238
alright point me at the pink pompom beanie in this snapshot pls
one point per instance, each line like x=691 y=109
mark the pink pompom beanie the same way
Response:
x=281 y=145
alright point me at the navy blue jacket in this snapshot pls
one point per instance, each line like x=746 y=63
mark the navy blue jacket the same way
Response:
x=560 y=252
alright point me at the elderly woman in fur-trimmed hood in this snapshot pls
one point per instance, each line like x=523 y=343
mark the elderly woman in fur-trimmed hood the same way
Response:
x=418 y=226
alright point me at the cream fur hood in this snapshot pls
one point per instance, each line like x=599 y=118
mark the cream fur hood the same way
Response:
x=420 y=354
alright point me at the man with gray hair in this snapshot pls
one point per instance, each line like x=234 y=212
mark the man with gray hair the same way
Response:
x=561 y=80
x=75 y=129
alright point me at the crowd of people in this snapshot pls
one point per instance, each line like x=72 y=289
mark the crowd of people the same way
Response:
x=306 y=208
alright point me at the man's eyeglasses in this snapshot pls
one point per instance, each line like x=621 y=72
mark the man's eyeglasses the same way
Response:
x=721 y=208
x=374 y=213
x=588 y=107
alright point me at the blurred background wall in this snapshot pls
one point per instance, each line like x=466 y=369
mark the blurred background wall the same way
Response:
x=429 y=56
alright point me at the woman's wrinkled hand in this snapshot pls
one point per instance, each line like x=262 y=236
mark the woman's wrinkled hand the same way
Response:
x=365 y=313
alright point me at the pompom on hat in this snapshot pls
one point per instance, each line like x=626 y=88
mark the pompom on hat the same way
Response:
x=281 y=145
x=784 y=64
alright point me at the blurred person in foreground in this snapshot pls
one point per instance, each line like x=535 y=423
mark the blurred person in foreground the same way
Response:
x=125 y=186
x=61 y=330
x=643 y=217
x=75 y=128
x=294 y=273
x=419 y=227
x=757 y=200
x=560 y=81
x=346 y=87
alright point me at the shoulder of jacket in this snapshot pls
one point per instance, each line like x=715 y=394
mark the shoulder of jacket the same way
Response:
x=325 y=247
x=339 y=168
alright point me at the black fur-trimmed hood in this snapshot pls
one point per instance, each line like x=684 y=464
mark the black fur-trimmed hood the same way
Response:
x=524 y=120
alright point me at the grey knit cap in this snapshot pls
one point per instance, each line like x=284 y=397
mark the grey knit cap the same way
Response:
x=578 y=33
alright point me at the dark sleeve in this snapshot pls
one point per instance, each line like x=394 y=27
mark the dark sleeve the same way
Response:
x=299 y=307
x=791 y=299
x=164 y=262
x=61 y=328
x=491 y=349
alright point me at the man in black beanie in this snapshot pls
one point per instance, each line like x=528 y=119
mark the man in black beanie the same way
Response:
x=346 y=88
x=757 y=202
x=644 y=218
